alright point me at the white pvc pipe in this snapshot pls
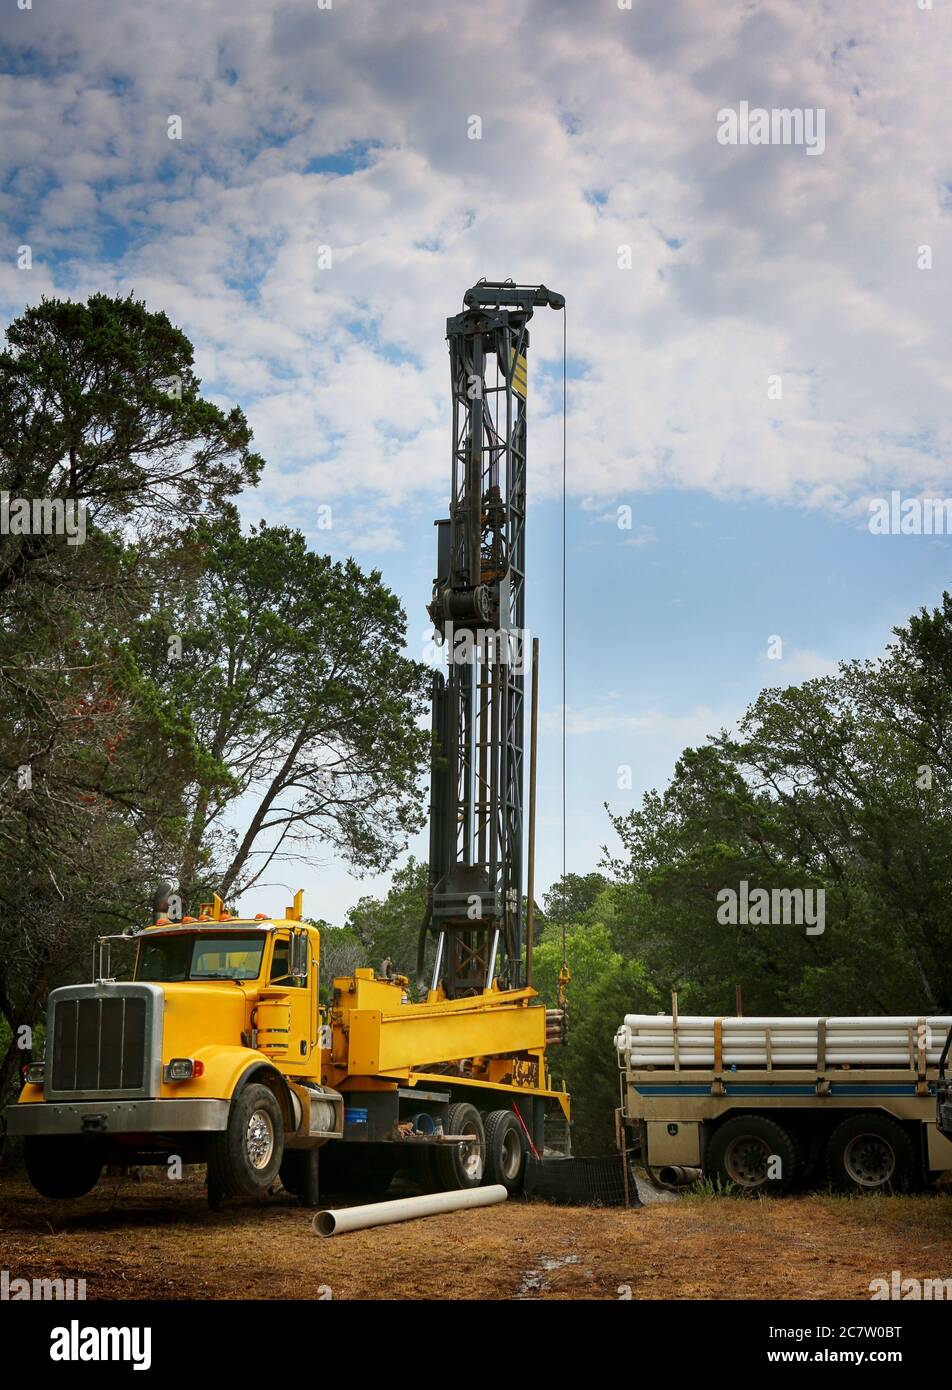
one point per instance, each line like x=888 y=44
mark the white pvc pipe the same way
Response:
x=751 y=1039
x=656 y=1040
x=336 y=1222
x=660 y=1021
x=687 y=1060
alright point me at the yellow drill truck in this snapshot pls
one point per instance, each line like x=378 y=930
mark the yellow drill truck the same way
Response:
x=218 y=1050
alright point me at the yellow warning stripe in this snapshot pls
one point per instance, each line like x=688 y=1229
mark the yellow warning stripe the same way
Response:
x=519 y=369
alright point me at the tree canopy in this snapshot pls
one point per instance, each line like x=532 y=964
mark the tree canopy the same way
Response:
x=158 y=665
x=291 y=670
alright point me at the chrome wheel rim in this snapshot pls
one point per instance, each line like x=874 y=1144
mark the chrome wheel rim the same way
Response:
x=259 y=1139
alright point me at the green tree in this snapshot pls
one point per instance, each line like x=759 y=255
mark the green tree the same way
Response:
x=342 y=951
x=572 y=896
x=293 y=676
x=98 y=406
x=99 y=403
x=604 y=987
x=843 y=785
x=389 y=927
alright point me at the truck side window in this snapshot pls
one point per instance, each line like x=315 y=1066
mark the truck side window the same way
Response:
x=281 y=964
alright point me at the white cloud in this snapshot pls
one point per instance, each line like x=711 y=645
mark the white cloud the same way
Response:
x=798 y=665
x=598 y=132
x=610 y=717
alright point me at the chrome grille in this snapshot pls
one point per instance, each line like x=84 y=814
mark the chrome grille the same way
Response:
x=99 y=1043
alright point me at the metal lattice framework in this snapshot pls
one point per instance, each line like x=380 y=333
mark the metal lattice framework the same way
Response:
x=478 y=607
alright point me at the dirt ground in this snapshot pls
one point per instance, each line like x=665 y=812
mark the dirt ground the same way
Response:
x=157 y=1239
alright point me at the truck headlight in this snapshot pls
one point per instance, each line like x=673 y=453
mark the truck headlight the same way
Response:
x=183 y=1069
x=34 y=1073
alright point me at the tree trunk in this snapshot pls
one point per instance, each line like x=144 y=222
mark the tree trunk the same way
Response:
x=8 y=1070
x=191 y=853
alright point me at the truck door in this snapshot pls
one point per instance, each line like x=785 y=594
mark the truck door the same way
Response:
x=299 y=995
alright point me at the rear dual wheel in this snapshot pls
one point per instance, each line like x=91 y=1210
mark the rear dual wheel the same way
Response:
x=461 y=1165
x=505 y=1150
x=754 y=1155
x=492 y=1151
x=870 y=1153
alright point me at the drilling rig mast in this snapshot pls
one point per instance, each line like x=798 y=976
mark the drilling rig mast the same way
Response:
x=474 y=897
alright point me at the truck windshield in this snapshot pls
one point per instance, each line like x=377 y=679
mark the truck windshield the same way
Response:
x=194 y=957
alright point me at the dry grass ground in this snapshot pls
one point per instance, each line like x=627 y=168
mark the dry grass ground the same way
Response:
x=157 y=1239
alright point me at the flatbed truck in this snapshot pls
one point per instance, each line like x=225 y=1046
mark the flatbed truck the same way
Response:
x=766 y=1105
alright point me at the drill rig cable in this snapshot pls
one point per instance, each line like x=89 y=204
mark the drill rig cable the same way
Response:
x=564 y=528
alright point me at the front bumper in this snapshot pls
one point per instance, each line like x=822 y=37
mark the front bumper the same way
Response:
x=106 y=1117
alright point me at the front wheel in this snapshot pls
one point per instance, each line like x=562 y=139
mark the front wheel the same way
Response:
x=244 y=1160
x=62 y=1166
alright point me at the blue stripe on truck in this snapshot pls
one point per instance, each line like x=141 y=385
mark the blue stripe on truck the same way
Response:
x=750 y=1088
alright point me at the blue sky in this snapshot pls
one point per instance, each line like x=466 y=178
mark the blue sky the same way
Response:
x=695 y=274
x=667 y=639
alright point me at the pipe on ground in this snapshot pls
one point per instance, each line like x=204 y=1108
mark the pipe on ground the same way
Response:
x=337 y=1222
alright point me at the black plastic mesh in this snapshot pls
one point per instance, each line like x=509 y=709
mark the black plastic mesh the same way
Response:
x=581 y=1182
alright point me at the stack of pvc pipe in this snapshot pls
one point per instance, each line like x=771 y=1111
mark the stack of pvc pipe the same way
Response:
x=648 y=1040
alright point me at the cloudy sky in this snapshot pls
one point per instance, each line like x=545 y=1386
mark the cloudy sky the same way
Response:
x=698 y=275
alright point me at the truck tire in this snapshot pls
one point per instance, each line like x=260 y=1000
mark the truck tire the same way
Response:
x=870 y=1153
x=505 y=1150
x=740 y=1150
x=62 y=1166
x=462 y=1165
x=245 y=1159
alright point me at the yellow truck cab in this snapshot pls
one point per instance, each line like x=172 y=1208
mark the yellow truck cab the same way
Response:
x=218 y=1050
